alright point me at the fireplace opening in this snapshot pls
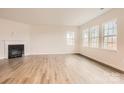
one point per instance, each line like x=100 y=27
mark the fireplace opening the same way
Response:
x=15 y=51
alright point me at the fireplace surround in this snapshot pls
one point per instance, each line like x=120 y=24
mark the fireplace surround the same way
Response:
x=15 y=50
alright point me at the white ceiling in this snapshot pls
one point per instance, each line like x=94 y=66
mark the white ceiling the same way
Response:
x=51 y=16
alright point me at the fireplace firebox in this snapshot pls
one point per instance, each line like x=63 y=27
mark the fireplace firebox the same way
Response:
x=15 y=51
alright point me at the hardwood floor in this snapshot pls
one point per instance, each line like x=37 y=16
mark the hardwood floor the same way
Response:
x=56 y=69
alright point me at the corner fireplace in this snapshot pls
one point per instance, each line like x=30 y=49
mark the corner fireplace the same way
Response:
x=15 y=51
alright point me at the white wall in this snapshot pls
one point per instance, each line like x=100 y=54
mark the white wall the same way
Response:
x=13 y=31
x=37 y=39
x=112 y=58
x=51 y=39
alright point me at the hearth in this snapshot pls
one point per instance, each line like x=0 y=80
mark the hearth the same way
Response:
x=15 y=51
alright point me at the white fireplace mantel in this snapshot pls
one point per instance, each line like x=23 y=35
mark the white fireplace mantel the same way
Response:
x=4 y=47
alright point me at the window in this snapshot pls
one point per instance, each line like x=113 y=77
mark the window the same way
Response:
x=86 y=38
x=94 y=37
x=110 y=35
x=70 y=38
x=106 y=38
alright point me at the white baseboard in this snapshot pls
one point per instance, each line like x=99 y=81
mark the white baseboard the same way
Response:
x=45 y=54
x=2 y=57
x=53 y=53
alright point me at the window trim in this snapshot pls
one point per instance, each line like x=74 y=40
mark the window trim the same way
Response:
x=70 y=39
x=83 y=38
x=101 y=36
x=97 y=37
x=102 y=43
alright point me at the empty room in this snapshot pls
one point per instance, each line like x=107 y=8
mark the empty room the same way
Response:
x=61 y=45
